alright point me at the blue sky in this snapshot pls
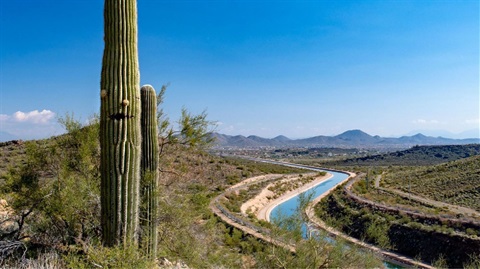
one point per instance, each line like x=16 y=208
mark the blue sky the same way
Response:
x=297 y=68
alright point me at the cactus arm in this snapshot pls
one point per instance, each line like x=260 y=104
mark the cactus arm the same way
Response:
x=149 y=170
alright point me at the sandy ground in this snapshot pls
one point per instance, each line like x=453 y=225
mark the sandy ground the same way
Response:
x=261 y=205
x=255 y=179
x=263 y=198
x=257 y=203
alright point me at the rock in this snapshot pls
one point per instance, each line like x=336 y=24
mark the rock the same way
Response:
x=165 y=263
x=7 y=225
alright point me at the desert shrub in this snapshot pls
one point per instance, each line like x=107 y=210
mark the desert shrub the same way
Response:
x=377 y=231
x=473 y=263
x=123 y=257
x=55 y=193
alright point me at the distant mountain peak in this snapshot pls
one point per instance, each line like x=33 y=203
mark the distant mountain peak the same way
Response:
x=353 y=132
x=419 y=135
x=354 y=135
x=281 y=138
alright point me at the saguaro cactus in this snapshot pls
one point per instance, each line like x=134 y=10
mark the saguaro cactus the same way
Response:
x=149 y=170
x=120 y=139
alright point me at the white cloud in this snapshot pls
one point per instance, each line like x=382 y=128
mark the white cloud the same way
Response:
x=34 y=116
x=30 y=125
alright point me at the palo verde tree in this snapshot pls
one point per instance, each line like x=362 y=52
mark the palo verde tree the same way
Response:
x=120 y=133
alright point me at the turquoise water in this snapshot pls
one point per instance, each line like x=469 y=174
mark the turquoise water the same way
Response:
x=289 y=207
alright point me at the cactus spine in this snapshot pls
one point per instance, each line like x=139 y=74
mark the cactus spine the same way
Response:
x=149 y=170
x=120 y=139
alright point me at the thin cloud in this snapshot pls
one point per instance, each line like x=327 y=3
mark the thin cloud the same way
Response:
x=4 y=117
x=423 y=121
x=472 y=121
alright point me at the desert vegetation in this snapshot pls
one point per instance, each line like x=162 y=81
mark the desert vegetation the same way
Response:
x=52 y=205
x=53 y=202
x=414 y=156
x=453 y=182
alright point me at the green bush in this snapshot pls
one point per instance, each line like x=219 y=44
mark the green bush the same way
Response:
x=115 y=257
x=56 y=192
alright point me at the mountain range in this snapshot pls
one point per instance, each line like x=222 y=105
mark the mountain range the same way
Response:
x=348 y=139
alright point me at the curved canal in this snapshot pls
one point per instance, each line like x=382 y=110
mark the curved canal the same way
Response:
x=290 y=206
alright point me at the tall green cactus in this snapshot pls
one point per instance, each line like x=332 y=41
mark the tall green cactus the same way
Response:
x=120 y=139
x=149 y=171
